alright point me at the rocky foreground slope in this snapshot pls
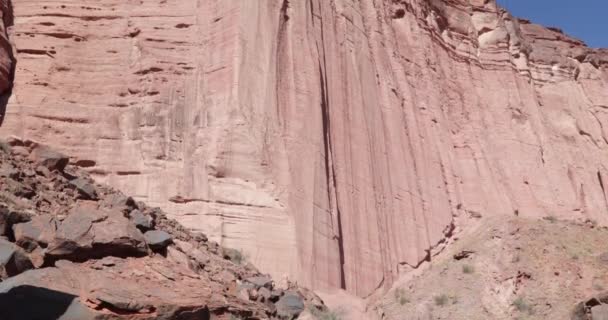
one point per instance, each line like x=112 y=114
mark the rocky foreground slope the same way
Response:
x=72 y=249
x=334 y=141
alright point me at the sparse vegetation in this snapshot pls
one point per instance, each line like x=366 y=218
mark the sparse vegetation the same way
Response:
x=474 y=214
x=522 y=306
x=401 y=296
x=577 y=251
x=234 y=255
x=325 y=314
x=441 y=300
x=551 y=219
x=468 y=269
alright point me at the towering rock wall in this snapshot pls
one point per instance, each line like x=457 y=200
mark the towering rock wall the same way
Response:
x=335 y=141
x=6 y=52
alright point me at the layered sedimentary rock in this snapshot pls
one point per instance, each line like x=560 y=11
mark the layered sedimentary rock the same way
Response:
x=334 y=141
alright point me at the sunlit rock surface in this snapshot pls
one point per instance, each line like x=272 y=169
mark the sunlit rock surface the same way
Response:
x=335 y=141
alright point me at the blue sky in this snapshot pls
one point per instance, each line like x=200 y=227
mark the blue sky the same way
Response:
x=583 y=19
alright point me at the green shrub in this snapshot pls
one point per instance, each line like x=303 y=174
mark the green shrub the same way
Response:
x=441 y=300
x=597 y=286
x=522 y=306
x=401 y=296
x=468 y=269
x=551 y=219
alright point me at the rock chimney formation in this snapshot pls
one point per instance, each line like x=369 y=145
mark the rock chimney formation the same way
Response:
x=334 y=141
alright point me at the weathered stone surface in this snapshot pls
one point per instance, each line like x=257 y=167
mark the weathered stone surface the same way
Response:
x=48 y=158
x=10 y=217
x=124 y=292
x=90 y=233
x=40 y=231
x=599 y=312
x=290 y=305
x=333 y=141
x=85 y=188
x=13 y=260
x=141 y=221
x=157 y=239
x=261 y=281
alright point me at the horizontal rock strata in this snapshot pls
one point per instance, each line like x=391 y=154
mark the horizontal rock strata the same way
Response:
x=334 y=141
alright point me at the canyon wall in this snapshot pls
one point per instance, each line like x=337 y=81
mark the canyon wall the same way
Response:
x=335 y=141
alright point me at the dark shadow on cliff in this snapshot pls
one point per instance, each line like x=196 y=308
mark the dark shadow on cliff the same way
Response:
x=8 y=20
x=34 y=303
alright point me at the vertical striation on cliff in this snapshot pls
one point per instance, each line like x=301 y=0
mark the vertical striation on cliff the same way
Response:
x=334 y=141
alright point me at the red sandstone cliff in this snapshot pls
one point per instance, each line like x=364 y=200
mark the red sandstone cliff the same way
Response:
x=337 y=142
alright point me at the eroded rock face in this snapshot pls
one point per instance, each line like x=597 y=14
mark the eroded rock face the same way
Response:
x=334 y=141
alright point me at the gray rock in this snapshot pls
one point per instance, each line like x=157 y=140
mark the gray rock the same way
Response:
x=7 y=170
x=43 y=171
x=8 y=218
x=260 y=281
x=19 y=189
x=157 y=239
x=19 y=294
x=141 y=221
x=91 y=233
x=13 y=260
x=119 y=202
x=599 y=312
x=39 y=231
x=264 y=294
x=5 y=147
x=50 y=159
x=290 y=305
x=85 y=188
x=245 y=286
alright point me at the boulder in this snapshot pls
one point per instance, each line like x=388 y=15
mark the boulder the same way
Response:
x=48 y=158
x=599 y=312
x=118 y=291
x=264 y=294
x=157 y=239
x=10 y=217
x=141 y=221
x=290 y=305
x=260 y=281
x=5 y=147
x=13 y=260
x=7 y=170
x=119 y=202
x=84 y=188
x=38 y=232
x=43 y=171
x=88 y=233
x=19 y=189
